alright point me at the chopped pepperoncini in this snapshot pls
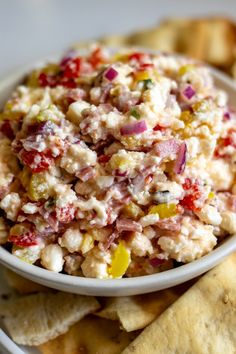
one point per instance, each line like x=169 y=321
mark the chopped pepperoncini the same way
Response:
x=163 y=210
x=120 y=261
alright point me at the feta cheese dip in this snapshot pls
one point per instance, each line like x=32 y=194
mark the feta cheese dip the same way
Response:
x=116 y=164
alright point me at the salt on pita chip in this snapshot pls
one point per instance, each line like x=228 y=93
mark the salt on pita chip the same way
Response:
x=202 y=321
x=21 y=285
x=35 y=319
x=136 y=312
x=91 y=335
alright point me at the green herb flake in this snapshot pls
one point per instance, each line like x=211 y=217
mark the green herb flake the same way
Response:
x=134 y=113
x=50 y=203
x=147 y=84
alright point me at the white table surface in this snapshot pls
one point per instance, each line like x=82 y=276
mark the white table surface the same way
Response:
x=32 y=29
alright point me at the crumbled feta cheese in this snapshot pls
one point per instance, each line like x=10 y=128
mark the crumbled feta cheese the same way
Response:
x=11 y=204
x=193 y=241
x=75 y=110
x=150 y=219
x=93 y=267
x=78 y=157
x=140 y=245
x=229 y=221
x=98 y=206
x=52 y=258
x=71 y=239
x=220 y=173
x=209 y=215
x=30 y=208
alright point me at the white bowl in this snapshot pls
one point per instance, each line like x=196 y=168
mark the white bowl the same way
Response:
x=126 y=286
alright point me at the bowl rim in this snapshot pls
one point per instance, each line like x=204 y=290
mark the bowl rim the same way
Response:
x=175 y=274
x=145 y=282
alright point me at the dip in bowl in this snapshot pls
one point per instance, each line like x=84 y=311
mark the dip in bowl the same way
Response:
x=117 y=165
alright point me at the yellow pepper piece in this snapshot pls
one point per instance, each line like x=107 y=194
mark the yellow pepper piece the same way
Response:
x=197 y=106
x=132 y=210
x=120 y=57
x=185 y=68
x=211 y=195
x=87 y=244
x=120 y=261
x=186 y=117
x=38 y=187
x=122 y=163
x=163 y=210
x=142 y=75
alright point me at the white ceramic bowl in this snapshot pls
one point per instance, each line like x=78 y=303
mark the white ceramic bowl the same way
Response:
x=126 y=286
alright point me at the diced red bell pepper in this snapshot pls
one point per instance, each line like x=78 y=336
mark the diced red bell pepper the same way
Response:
x=47 y=80
x=26 y=240
x=229 y=140
x=192 y=195
x=104 y=158
x=140 y=58
x=36 y=161
x=65 y=214
x=159 y=128
x=96 y=57
x=7 y=130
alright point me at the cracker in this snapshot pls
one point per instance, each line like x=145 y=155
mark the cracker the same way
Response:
x=202 y=321
x=35 y=319
x=136 y=312
x=21 y=285
x=91 y=335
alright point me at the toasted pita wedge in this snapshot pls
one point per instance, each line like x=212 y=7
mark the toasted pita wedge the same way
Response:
x=163 y=38
x=35 y=319
x=136 y=312
x=221 y=42
x=21 y=285
x=114 y=41
x=195 y=31
x=202 y=321
x=91 y=335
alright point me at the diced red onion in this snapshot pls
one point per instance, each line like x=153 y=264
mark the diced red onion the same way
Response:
x=85 y=173
x=45 y=128
x=167 y=148
x=134 y=128
x=110 y=74
x=189 y=92
x=118 y=173
x=156 y=262
x=180 y=161
x=127 y=225
x=227 y=116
